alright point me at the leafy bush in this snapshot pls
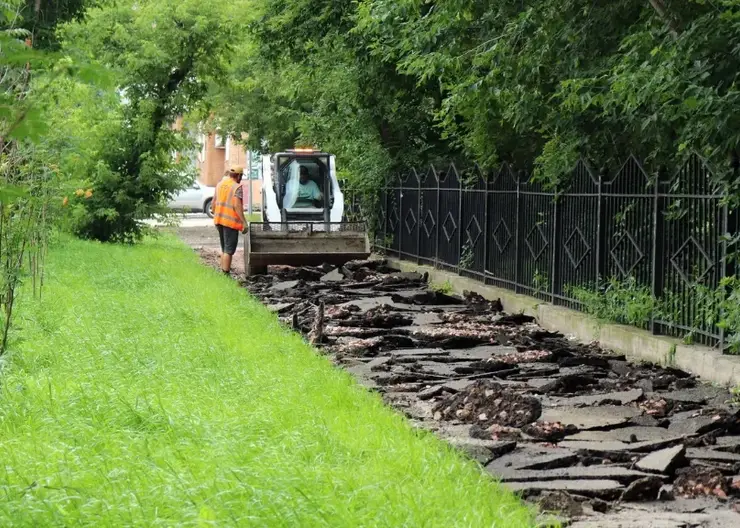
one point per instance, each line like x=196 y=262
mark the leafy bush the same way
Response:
x=123 y=198
x=626 y=302
x=727 y=312
x=620 y=301
x=30 y=179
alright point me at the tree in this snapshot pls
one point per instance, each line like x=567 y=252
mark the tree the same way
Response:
x=162 y=53
x=29 y=180
x=557 y=80
x=41 y=18
x=305 y=76
x=391 y=83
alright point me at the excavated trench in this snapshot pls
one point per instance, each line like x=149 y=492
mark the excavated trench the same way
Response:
x=579 y=430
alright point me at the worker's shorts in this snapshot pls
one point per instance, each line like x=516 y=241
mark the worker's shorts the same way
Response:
x=229 y=239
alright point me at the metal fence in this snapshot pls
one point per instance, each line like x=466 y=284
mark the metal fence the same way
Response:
x=650 y=238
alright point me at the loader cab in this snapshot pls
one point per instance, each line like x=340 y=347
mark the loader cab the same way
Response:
x=303 y=186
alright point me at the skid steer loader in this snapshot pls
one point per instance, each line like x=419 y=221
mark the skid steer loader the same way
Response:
x=302 y=215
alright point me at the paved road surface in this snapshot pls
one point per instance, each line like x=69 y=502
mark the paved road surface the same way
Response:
x=198 y=231
x=188 y=221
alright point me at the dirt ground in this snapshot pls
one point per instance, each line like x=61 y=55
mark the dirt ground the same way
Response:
x=204 y=239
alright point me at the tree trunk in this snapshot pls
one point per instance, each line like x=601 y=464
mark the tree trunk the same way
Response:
x=665 y=16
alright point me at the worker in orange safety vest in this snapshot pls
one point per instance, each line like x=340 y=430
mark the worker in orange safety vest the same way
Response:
x=228 y=215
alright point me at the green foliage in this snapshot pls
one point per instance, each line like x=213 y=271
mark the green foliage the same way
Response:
x=735 y=400
x=557 y=80
x=442 y=287
x=723 y=307
x=540 y=282
x=134 y=401
x=620 y=301
x=706 y=307
x=467 y=257
x=163 y=53
x=30 y=181
x=306 y=76
x=627 y=302
x=670 y=359
x=388 y=83
x=43 y=16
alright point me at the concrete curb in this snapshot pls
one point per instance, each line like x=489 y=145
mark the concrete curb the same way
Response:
x=639 y=345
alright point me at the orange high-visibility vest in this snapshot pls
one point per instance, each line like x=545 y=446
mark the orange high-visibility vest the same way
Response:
x=225 y=205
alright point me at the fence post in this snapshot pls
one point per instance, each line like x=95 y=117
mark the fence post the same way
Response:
x=459 y=220
x=486 y=180
x=518 y=230
x=419 y=208
x=436 y=226
x=658 y=270
x=399 y=227
x=601 y=244
x=399 y=180
x=387 y=212
x=556 y=237
x=729 y=231
x=391 y=200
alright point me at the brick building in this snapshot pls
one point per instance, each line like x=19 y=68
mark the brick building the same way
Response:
x=218 y=153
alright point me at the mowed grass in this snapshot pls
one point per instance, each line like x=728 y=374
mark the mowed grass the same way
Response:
x=149 y=390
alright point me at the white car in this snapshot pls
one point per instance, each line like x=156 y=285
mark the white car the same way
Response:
x=196 y=198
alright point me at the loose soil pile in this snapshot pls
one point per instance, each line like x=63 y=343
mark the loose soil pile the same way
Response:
x=487 y=403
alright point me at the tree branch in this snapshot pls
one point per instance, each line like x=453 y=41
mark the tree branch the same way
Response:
x=660 y=8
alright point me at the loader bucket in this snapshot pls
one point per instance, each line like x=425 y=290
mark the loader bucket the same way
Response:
x=303 y=244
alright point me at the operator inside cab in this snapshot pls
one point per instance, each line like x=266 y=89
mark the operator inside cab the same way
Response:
x=309 y=193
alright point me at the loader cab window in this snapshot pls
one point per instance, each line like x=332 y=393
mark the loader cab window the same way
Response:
x=304 y=182
x=309 y=192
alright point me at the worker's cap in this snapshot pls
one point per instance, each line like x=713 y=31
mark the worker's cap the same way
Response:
x=237 y=170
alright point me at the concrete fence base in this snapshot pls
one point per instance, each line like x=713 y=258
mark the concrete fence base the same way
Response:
x=638 y=345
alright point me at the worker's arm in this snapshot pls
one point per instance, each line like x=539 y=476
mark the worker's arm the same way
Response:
x=317 y=194
x=239 y=204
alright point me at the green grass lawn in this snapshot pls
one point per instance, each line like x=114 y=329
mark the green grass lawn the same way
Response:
x=149 y=390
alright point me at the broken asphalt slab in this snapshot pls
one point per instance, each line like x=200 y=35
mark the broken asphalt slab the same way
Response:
x=529 y=458
x=588 y=488
x=617 y=447
x=664 y=461
x=585 y=418
x=625 y=434
x=710 y=454
x=483 y=450
x=615 y=398
x=597 y=472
